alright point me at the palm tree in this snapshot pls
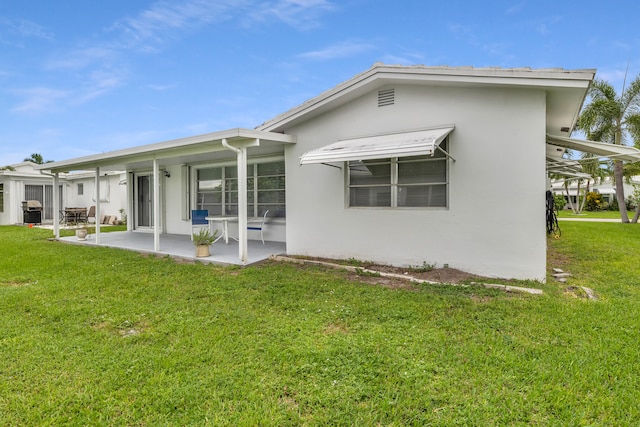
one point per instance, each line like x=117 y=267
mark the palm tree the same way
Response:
x=610 y=118
x=631 y=170
x=37 y=159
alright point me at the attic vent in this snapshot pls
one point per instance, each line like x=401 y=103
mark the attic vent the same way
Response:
x=386 y=97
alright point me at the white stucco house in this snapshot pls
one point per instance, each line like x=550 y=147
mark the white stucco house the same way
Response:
x=26 y=181
x=399 y=164
x=20 y=182
x=606 y=187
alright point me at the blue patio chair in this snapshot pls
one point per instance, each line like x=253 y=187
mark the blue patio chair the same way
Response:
x=199 y=219
x=260 y=226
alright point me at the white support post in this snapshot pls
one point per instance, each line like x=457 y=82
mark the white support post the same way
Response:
x=97 y=193
x=130 y=205
x=242 y=205
x=156 y=206
x=242 y=198
x=56 y=205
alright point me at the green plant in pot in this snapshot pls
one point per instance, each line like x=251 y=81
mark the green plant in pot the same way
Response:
x=202 y=240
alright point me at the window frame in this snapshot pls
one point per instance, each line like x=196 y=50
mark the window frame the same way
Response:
x=229 y=187
x=394 y=183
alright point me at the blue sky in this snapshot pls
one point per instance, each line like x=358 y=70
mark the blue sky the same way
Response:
x=81 y=77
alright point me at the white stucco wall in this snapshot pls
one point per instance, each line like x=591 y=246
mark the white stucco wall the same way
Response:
x=5 y=215
x=495 y=223
x=113 y=195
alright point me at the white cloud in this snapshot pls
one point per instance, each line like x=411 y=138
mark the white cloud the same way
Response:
x=515 y=8
x=39 y=100
x=102 y=62
x=545 y=26
x=404 y=59
x=299 y=14
x=82 y=58
x=160 y=88
x=26 y=28
x=154 y=26
x=340 y=50
x=165 y=21
x=99 y=83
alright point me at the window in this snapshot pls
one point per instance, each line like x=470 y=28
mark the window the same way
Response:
x=417 y=181
x=1 y=197
x=80 y=189
x=217 y=189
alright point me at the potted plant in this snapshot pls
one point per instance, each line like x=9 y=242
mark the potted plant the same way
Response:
x=81 y=232
x=202 y=240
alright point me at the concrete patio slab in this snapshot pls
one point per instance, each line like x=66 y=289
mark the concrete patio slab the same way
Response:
x=181 y=246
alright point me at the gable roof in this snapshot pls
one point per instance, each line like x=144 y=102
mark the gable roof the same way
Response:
x=566 y=90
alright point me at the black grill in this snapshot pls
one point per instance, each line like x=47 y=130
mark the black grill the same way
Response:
x=31 y=212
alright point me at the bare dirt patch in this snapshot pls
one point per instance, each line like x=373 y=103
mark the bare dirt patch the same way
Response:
x=382 y=275
x=14 y=284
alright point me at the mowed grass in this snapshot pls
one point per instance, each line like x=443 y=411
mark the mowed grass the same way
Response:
x=97 y=336
x=593 y=214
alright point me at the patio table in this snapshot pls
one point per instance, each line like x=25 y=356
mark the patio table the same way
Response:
x=225 y=228
x=75 y=215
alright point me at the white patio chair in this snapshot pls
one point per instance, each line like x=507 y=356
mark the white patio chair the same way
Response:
x=260 y=226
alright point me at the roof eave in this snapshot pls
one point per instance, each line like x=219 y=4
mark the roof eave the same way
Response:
x=527 y=77
x=189 y=145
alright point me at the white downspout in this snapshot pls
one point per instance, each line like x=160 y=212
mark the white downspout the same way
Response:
x=97 y=193
x=56 y=206
x=242 y=199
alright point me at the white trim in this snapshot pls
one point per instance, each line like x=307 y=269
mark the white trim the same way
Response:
x=601 y=149
x=192 y=145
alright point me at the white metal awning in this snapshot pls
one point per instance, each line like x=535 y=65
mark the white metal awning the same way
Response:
x=565 y=167
x=415 y=143
x=600 y=149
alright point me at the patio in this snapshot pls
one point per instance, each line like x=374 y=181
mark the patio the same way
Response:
x=181 y=246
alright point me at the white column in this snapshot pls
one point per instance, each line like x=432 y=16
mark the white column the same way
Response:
x=242 y=205
x=97 y=193
x=130 y=204
x=156 y=206
x=242 y=198
x=56 y=206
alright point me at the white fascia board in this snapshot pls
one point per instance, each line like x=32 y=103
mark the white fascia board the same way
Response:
x=189 y=145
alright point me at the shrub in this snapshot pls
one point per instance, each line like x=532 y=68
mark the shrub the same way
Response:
x=594 y=201
x=559 y=202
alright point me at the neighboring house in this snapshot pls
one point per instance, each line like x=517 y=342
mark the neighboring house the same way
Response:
x=20 y=182
x=605 y=187
x=400 y=164
x=25 y=181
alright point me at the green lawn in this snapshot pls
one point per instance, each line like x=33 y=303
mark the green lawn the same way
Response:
x=594 y=214
x=98 y=336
